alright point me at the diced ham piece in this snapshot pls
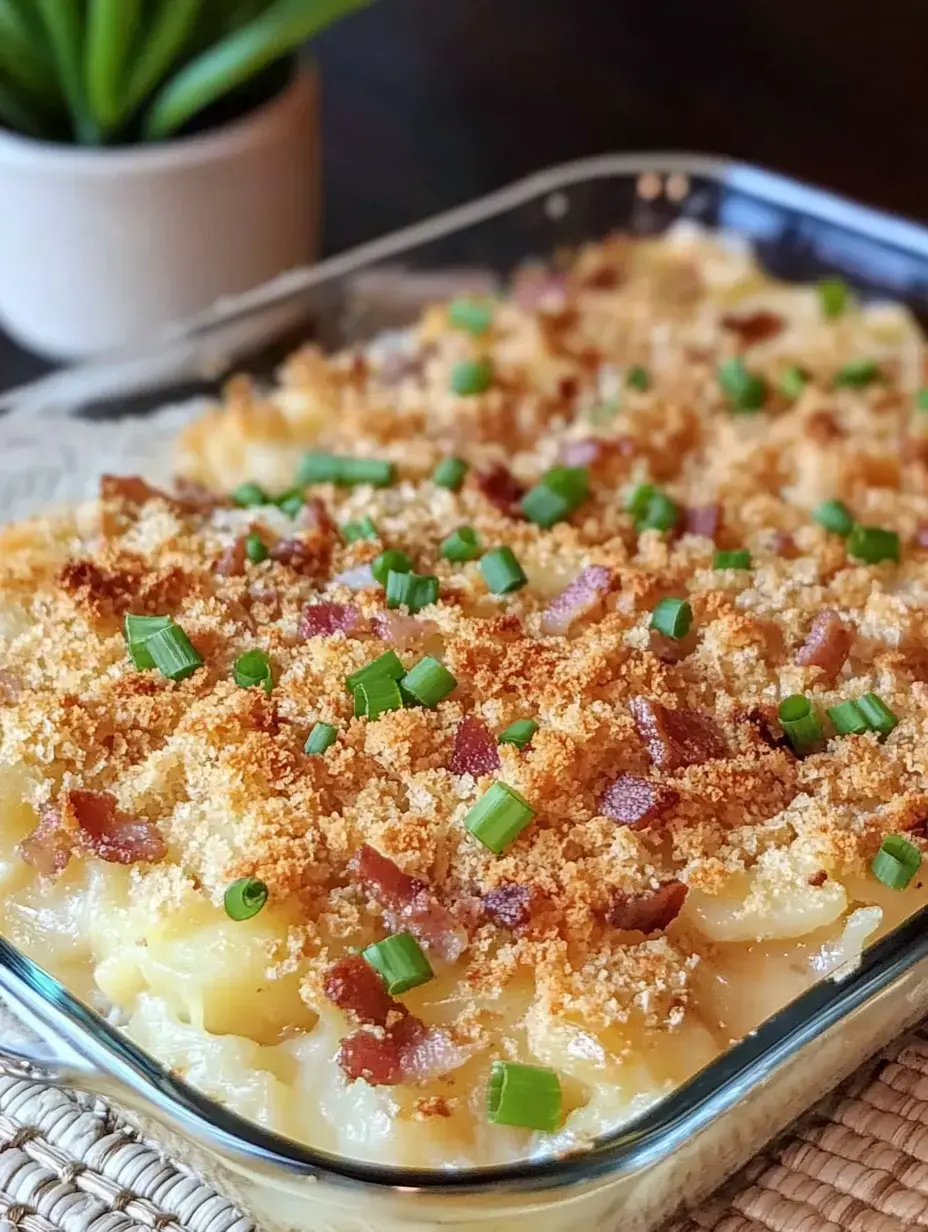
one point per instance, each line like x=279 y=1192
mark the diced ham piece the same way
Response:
x=647 y=913
x=827 y=644
x=355 y=987
x=48 y=847
x=636 y=802
x=676 y=738
x=401 y=630
x=232 y=562
x=410 y=906
x=702 y=520
x=753 y=327
x=509 y=905
x=475 y=751
x=583 y=596
x=112 y=835
x=501 y=490
x=324 y=619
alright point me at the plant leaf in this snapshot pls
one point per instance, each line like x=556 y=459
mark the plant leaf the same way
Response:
x=166 y=38
x=62 y=20
x=110 y=25
x=16 y=112
x=276 y=32
x=23 y=59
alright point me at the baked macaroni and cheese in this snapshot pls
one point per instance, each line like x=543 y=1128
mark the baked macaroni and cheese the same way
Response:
x=497 y=723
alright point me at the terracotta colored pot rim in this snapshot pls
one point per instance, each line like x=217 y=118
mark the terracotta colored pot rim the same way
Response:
x=216 y=144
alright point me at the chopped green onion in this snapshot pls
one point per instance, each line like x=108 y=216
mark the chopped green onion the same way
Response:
x=571 y=482
x=857 y=373
x=346 y=471
x=638 y=378
x=661 y=514
x=897 y=862
x=877 y=713
x=872 y=544
x=291 y=502
x=502 y=572
x=799 y=721
x=474 y=315
x=833 y=296
x=745 y=391
x=429 y=682
x=638 y=499
x=376 y=696
x=921 y=399
x=253 y=668
x=528 y=1096
x=792 y=383
x=471 y=376
x=390 y=561
x=499 y=817
x=544 y=507
x=172 y=653
x=835 y=516
x=412 y=589
x=449 y=473
x=244 y=898
x=519 y=733
x=255 y=548
x=740 y=559
x=672 y=617
x=248 y=494
x=604 y=412
x=848 y=719
x=137 y=630
x=400 y=962
x=387 y=664
x=322 y=737
x=363 y=529
x=460 y=545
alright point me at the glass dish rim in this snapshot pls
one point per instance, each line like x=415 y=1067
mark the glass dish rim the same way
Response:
x=688 y=1108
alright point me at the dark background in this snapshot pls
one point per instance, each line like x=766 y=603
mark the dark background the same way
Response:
x=427 y=103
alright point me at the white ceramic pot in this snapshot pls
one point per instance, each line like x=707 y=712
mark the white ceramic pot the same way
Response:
x=101 y=247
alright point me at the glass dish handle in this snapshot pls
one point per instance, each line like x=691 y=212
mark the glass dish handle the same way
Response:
x=30 y=1049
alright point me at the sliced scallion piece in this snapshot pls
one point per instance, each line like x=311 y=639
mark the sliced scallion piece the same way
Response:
x=429 y=682
x=173 y=654
x=799 y=721
x=745 y=391
x=137 y=630
x=638 y=378
x=255 y=548
x=738 y=559
x=528 y=1096
x=462 y=544
x=387 y=664
x=832 y=293
x=364 y=528
x=792 y=383
x=471 y=377
x=878 y=715
x=390 y=561
x=921 y=399
x=474 y=315
x=244 y=898
x=660 y=514
x=897 y=862
x=413 y=590
x=519 y=733
x=291 y=502
x=848 y=719
x=376 y=696
x=835 y=516
x=399 y=961
x=872 y=544
x=253 y=668
x=449 y=473
x=499 y=817
x=856 y=374
x=502 y=572
x=248 y=494
x=672 y=617
x=316 y=467
x=544 y=507
x=322 y=737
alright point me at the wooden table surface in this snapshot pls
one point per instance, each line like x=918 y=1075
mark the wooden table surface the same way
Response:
x=428 y=103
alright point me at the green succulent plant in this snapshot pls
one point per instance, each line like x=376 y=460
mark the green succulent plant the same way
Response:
x=106 y=71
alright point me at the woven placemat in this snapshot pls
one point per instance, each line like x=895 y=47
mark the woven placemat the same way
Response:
x=856 y=1163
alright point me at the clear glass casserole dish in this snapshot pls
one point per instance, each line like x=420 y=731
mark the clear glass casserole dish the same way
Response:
x=684 y=1146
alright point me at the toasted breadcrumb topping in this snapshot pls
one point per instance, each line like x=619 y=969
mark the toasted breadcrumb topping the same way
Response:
x=221 y=770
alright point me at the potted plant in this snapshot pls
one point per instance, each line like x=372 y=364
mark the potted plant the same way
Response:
x=154 y=155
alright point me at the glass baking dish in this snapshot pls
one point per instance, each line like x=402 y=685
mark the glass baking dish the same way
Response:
x=683 y=1147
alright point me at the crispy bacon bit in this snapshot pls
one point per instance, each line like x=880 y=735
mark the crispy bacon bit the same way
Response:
x=827 y=644
x=408 y=1051
x=501 y=490
x=475 y=750
x=409 y=904
x=702 y=520
x=605 y=278
x=193 y=497
x=635 y=802
x=582 y=597
x=767 y=727
x=676 y=738
x=48 y=847
x=753 y=326
x=509 y=905
x=301 y=556
x=822 y=427
x=324 y=619
x=784 y=545
x=315 y=516
x=671 y=649
x=375 y=1058
x=355 y=987
x=818 y=878
x=647 y=913
x=130 y=488
x=112 y=835
x=232 y=562
x=401 y=630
